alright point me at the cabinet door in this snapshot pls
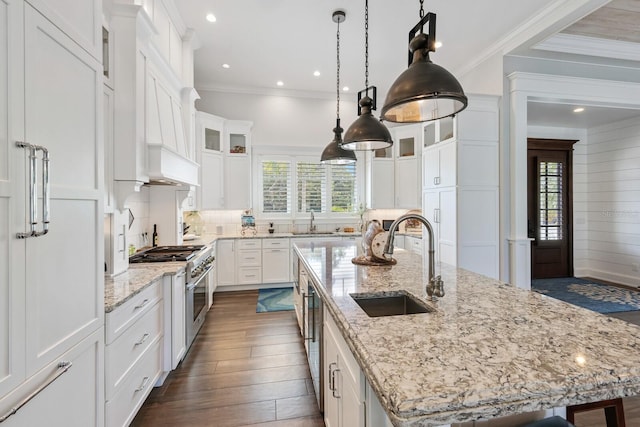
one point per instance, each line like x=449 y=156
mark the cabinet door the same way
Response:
x=178 y=321
x=63 y=98
x=431 y=211
x=12 y=203
x=74 y=399
x=275 y=265
x=408 y=183
x=332 y=405
x=382 y=184
x=448 y=164
x=237 y=181
x=431 y=168
x=352 y=405
x=447 y=243
x=212 y=181
x=226 y=262
x=107 y=111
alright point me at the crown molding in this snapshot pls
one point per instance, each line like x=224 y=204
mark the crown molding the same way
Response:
x=591 y=46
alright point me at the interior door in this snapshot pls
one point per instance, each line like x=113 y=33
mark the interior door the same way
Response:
x=549 y=209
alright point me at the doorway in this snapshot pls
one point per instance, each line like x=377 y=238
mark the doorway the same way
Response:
x=549 y=207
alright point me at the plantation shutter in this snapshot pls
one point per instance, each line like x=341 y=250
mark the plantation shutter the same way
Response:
x=311 y=185
x=276 y=178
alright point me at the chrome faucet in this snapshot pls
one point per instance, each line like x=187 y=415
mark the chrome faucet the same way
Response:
x=312 y=228
x=435 y=287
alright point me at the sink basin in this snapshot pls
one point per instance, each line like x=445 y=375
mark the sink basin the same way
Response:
x=313 y=233
x=390 y=304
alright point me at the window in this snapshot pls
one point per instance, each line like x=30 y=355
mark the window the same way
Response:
x=294 y=185
x=312 y=179
x=550 y=176
x=276 y=187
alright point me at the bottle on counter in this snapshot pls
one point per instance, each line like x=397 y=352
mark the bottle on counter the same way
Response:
x=154 y=236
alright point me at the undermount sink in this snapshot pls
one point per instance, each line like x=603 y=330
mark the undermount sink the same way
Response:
x=390 y=304
x=312 y=233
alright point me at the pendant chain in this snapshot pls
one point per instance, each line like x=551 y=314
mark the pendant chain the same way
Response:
x=366 y=44
x=421 y=9
x=338 y=72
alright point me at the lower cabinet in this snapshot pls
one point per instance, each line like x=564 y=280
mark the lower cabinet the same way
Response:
x=175 y=328
x=74 y=399
x=249 y=261
x=344 y=385
x=275 y=260
x=133 y=354
x=226 y=262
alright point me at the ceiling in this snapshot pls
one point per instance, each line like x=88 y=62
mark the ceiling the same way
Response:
x=287 y=40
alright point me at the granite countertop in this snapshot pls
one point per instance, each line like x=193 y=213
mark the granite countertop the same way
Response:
x=120 y=288
x=488 y=350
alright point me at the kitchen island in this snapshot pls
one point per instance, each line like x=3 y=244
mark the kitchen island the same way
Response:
x=488 y=349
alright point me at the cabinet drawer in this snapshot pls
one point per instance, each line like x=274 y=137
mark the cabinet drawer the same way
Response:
x=249 y=243
x=120 y=410
x=249 y=257
x=119 y=320
x=414 y=244
x=121 y=355
x=249 y=275
x=275 y=243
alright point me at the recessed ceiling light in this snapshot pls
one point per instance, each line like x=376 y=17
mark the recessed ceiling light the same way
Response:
x=578 y=110
x=345 y=89
x=211 y=17
x=316 y=73
x=280 y=83
x=438 y=44
x=226 y=66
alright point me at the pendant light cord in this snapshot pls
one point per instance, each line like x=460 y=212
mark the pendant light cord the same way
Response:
x=421 y=9
x=366 y=46
x=338 y=72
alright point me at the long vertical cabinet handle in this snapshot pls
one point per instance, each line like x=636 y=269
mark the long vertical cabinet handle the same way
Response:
x=33 y=191
x=62 y=368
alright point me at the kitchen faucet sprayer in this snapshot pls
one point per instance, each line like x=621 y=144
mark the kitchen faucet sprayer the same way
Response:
x=435 y=287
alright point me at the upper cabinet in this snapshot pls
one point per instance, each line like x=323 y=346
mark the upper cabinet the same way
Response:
x=153 y=97
x=224 y=153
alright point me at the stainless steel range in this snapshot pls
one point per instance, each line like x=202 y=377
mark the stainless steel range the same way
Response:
x=199 y=266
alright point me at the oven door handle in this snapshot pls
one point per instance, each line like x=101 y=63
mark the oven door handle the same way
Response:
x=191 y=286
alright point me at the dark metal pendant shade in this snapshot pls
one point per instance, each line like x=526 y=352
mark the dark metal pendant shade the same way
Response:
x=333 y=153
x=366 y=132
x=425 y=91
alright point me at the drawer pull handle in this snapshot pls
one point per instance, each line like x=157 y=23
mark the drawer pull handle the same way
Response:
x=142 y=304
x=145 y=381
x=142 y=340
x=62 y=368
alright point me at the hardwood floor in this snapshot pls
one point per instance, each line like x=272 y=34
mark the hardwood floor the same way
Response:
x=245 y=368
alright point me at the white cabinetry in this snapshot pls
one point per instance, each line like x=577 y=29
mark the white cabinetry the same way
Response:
x=175 y=345
x=226 y=262
x=275 y=260
x=393 y=174
x=223 y=148
x=237 y=165
x=249 y=261
x=52 y=305
x=133 y=354
x=344 y=385
x=460 y=186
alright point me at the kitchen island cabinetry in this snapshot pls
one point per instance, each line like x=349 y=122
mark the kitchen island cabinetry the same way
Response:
x=52 y=306
x=344 y=385
x=133 y=353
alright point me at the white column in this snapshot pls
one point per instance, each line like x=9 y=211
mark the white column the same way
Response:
x=519 y=242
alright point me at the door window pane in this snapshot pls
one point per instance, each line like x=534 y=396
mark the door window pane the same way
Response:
x=550 y=214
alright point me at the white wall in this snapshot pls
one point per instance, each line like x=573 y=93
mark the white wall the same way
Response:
x=486 y=78
x=280 y=120
x=613 y=202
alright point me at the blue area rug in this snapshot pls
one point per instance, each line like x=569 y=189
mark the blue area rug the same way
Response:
x=589 y=294
x=275 y=299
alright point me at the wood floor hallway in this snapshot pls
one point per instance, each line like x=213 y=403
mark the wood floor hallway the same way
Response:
x=244 y=368
x=247 y=368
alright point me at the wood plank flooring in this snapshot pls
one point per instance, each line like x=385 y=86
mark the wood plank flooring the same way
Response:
x=247 y=368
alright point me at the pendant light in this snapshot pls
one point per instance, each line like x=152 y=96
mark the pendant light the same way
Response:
x=333 y=153
x=425 y=91
x=366 y=132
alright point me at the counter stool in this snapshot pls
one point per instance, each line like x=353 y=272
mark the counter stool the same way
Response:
x=613 y=411
x=550 y=422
